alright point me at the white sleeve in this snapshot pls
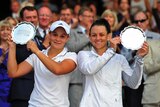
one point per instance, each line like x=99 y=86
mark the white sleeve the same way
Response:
x=133 y=79
x=30 y=59
x=89 y=65
x=72 y=56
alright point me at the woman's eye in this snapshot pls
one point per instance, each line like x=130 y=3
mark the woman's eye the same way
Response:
x=62 y=36
x=102 y=35
x=54 y=34
x=93 y=35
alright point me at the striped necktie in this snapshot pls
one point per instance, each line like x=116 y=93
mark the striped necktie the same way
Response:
x=44 y=32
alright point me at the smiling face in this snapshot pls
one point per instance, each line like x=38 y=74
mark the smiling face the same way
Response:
x=45 y=17
x=58 y=38
x=30 y=16
x=4 y=32
x=110 y=18
x=99 y=37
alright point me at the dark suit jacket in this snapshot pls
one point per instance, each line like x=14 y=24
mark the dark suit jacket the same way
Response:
x=22 y=87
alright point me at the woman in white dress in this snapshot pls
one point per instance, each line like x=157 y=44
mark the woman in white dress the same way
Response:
x=52 y=68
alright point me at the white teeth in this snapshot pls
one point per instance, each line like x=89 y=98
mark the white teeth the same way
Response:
x=98 y=42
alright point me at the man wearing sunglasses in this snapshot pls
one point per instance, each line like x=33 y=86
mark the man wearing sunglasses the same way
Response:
x=150 y=97
x=141 y=20
x=147 y=95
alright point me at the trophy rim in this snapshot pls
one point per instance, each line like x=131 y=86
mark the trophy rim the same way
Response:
x=23 y=27
x=136 y=39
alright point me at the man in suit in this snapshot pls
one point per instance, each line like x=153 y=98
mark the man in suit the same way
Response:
x=79 y=41
x=141 y=20
x=22 y=87
x=66 y=14
x=134 y=97
x=150 y=97
x=45 y=19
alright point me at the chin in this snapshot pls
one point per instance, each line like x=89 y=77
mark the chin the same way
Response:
x=98 y=47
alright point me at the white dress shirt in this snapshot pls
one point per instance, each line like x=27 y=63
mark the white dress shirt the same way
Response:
x=104 y=74
x=41 y=31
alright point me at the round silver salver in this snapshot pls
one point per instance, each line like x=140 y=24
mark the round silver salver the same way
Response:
x=23 y=32
x=132 y=37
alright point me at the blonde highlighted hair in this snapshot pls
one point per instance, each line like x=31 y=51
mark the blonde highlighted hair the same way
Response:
x=113 y=13
x=5 y=23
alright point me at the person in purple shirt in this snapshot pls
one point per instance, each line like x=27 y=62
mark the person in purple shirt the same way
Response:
x=5 y=30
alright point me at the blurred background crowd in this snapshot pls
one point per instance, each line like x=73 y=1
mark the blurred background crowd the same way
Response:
x=80 y=14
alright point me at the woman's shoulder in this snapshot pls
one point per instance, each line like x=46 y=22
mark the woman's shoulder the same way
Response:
x=71 y=56
x=120 y=56
x=71 y=53
x=84 y=52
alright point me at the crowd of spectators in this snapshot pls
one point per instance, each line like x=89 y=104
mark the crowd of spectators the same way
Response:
x=80 y=15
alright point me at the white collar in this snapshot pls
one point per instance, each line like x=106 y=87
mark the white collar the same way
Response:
x=41 y=31
x=62 y=53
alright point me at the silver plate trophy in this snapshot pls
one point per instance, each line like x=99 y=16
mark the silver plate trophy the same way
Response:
x=23 y=32
x=132 y=37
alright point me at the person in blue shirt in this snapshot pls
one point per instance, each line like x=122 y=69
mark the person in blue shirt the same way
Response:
x=5 y=30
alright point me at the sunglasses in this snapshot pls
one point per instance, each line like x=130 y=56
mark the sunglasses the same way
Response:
x=141 y=21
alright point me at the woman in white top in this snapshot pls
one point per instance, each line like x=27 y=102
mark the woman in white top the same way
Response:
x=104 y=69
x=52 y=68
